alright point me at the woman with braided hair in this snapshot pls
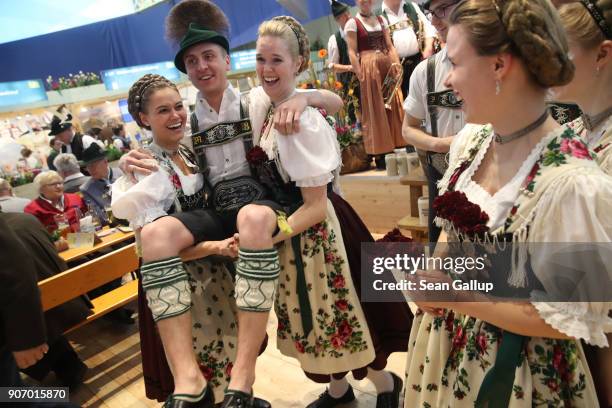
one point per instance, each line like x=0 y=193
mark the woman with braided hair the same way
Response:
x=222 y=136
x=155 y=104
x=525 y=192
x=321 y=321
x=588 y=24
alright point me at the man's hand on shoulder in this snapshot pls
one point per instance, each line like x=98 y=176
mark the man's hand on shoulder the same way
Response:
x=137 y=161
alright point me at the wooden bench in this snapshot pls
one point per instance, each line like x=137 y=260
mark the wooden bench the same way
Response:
x=411 y=222
x=83 y=278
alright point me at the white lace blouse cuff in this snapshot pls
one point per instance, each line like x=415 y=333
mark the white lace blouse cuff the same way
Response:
x=578 y=320
x=145 y=216
x=315 y=181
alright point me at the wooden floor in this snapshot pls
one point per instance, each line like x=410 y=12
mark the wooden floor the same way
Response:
x=112 y=351
x=114 y=379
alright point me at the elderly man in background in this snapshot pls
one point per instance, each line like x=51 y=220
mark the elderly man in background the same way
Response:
x=68 y=167
x=96 y=191
x=8 y=201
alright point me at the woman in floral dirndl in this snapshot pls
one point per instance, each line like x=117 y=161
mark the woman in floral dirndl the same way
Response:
x=521 y=179
x=321 y=322
x=588 y=25
x=154 y=103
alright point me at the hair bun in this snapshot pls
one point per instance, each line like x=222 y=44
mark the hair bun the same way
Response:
x=537 y=34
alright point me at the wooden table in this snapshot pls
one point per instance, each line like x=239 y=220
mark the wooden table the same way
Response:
x=111 y=239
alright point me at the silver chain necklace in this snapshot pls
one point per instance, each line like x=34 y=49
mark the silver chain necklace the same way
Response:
x=591 y=122
x=522 y=132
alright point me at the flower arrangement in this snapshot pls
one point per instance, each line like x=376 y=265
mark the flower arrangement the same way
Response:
x=73 y=81
x=345 y=136
x=18 y=177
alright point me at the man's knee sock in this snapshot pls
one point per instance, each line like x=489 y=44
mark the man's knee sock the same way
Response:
x=256 y=278
x=166 y=284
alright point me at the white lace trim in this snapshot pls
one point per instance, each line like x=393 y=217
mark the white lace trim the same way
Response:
x=145 y=216
x=575 y=320
x=315 y=181
x=498 y=205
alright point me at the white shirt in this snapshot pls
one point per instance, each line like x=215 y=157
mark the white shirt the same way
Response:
x=405 y=40
x=311 y=157
x=333 y=52
x=351 y=25
x=87 y=141
x=227 y=160
x=450 y=121
x=498 y=205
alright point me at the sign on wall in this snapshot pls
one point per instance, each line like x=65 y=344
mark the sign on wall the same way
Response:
x=243 y=60
x=123 y=78
x=22 y=92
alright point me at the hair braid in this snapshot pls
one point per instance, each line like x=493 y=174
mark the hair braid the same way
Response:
x=141 y=91
x=530 y=29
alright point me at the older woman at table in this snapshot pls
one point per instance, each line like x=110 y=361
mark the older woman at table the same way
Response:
x=52 y=201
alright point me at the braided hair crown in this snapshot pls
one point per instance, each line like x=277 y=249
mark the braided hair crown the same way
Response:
x=530 y=29
x=140 y=93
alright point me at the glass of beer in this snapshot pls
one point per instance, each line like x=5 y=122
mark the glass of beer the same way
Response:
x=63 y=226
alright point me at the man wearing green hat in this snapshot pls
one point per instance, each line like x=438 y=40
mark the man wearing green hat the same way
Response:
x=200 y=29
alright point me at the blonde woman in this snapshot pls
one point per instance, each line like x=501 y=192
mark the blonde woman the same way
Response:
x=321 y=320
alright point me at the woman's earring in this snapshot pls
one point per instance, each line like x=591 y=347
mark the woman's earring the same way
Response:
x=497 y=87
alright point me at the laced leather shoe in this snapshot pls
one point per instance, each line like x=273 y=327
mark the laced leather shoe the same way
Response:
x=325 y=400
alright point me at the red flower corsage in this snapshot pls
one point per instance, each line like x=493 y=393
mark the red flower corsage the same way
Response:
x=256 y=156
x=394 y=236
x=467 y=217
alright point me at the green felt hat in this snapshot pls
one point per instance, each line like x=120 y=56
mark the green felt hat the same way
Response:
x=196 y=35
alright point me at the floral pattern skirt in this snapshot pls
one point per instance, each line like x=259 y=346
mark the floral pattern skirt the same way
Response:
x=340 y=340
x=449 y=356
x=214 y=319
x=214 y=331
